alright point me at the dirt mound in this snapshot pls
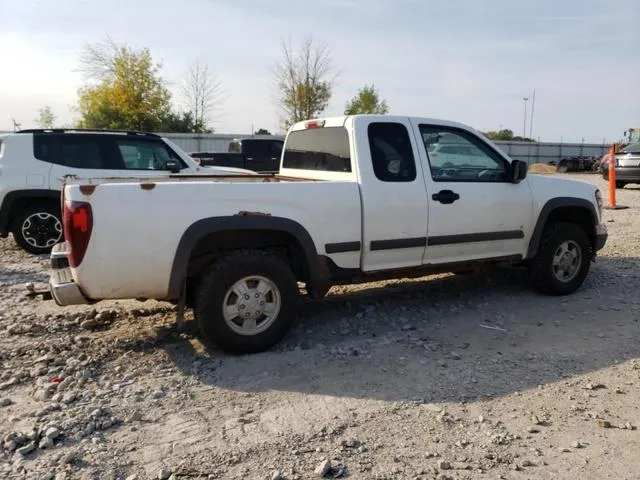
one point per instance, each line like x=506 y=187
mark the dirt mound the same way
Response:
x=542 y=168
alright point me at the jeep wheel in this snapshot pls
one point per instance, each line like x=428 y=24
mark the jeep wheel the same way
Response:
x=38 y=228
x=620 y=184
x=246 y=302
x=563 y=259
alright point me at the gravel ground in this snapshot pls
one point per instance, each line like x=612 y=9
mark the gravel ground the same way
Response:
x=442 y=377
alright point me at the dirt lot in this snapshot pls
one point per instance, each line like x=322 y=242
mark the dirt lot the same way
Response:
x=392 y=380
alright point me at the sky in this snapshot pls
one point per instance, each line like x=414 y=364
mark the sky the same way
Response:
x=469 y=61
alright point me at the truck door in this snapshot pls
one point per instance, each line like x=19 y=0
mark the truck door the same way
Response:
x=475 y=211
x=256 y=154
x=275 y=149
x=394 y=201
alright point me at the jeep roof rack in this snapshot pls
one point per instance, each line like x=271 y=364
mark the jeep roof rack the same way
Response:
x=88 y=130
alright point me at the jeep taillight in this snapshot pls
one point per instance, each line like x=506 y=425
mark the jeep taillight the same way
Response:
x=78 y=223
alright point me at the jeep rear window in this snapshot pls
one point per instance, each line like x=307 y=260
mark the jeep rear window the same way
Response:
x=86 y=151
x=44 y=148
x=325 y=149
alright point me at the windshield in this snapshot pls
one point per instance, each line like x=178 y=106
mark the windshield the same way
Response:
x=633 y=148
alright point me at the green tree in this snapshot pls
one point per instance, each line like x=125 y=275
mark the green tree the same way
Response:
x=126 y=90
x=262 y=131
x=46 y=118
x=303 y=82
x=366 y=101
x=506 y=135
x=178 y=123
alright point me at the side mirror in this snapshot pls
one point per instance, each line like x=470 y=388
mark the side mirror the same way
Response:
x=518 y=171
x=173 y=166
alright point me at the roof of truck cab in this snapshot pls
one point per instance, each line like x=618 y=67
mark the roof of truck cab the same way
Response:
x=342 y=119
x=258 y=137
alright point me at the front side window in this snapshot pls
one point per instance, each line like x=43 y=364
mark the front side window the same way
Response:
x=391 y=152
x=142 y=155
x=253 y=148
x=276 y=149
x=457 y=155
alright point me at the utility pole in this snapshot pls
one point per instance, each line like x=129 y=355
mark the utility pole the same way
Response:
x=533 y=104
x=524 y=128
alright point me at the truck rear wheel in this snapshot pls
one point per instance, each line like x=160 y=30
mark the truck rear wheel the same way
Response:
x=563 y=259
x=246 y=301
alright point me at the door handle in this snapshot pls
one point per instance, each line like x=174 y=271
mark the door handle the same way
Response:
x=445 y=196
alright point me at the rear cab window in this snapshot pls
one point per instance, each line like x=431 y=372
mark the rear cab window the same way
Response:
x=391 y=152
x=321 y=149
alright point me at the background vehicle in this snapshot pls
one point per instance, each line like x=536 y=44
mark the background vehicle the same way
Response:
x=577 y=164
x=627 y=165
x=34 y=162
x=443 y=154
x=261 y=155
x=358 y=198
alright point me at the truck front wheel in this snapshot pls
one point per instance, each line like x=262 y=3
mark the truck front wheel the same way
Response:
x=246 y=301
x=563 y=259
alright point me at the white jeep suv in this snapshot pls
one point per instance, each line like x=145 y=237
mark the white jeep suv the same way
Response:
x=34 y=162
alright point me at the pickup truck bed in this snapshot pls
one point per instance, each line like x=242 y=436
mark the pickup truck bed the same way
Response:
x=357 y=198
x=118 y=230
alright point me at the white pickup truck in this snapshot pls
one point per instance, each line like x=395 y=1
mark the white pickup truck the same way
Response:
x=357 y=198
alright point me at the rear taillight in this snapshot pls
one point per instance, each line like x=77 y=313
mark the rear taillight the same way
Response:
x=78 y=223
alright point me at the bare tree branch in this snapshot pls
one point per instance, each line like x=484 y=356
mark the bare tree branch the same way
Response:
x=97 y=60
x=302 y=80
x=202 y=91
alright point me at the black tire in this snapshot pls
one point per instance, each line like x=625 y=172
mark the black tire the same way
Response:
x=541 y=268
x=563 y=167
x=37 y=228
x=620 y=184
x=218 y=281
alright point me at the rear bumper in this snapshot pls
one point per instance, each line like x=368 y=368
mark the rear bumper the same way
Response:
x=64 y=289
x=601 y=236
